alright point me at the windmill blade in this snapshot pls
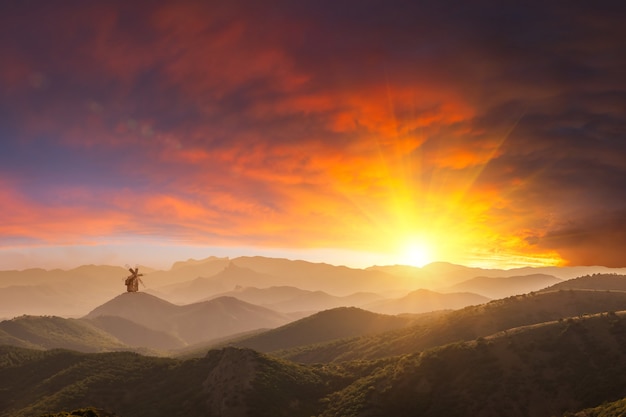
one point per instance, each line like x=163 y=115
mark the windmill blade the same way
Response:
x=140 y=280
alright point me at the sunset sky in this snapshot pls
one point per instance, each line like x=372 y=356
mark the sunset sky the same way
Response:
x=352 y=132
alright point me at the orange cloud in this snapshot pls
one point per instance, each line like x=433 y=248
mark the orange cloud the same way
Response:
x=303 y=127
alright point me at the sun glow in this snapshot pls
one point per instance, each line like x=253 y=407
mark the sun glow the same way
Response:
x=416 y=253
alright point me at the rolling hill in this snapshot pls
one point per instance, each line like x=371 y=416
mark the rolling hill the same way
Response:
x=327 y=325
x=229 y=382
x=502 y=287
x=289 y=299
x=536 y=371
x=136 y=335
x=422 y=301
x=547 y=369
x=465 y=324
x=597 y=282
x=51 y=332
x=191 y=323
x=318 y=300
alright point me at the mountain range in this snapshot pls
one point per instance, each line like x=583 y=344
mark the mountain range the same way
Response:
x=251 y=342
x=75 y=292
x=547 y=369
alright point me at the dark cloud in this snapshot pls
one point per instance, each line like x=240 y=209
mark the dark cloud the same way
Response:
x=521 y=107
x=598 y=239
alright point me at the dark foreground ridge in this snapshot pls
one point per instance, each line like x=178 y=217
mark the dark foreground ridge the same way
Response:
x=547 y=369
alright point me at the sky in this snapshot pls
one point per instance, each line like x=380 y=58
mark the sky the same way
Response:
x=482 y=133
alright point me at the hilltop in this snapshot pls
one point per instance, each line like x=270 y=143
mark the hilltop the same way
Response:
x=596 y=282
x=464 y=324
x=191 y=323
x=338 y=323
x=545 y=369
x=56 y=332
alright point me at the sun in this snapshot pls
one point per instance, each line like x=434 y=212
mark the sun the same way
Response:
x=416 y=253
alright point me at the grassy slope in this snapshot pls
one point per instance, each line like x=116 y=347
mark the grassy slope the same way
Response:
x=611 y=409
x=49 y=332
x=323 y=326
x=600 y=282
x=541 y=370
x=465 y=324
x=34 y=383
x=537 y=371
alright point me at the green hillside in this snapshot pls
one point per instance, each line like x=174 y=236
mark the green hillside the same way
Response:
x=542 y=370
x=465 y=324
x=228 y=381
x=547 y=369
x=326 y=325
x=598 y=282
x=38 y=382
x=49 y=332
x=611 y=409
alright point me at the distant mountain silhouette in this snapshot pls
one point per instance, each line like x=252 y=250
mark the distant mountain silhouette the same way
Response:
x=57 y=292
x=291 y=299
x=421 y=301
x=191 y=323
x=435 y=274
x=229 y=278
x=336 y=280
x=319 y=300
x=187 y=270
x=33 y=300
x=441 y=274
x=504 y=286
x=269 y=296
x=75 y=292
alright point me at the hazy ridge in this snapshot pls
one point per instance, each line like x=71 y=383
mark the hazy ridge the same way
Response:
x=557 y=350
x=75 y=292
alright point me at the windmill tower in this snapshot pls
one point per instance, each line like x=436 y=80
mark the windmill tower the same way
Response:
x=133 y=280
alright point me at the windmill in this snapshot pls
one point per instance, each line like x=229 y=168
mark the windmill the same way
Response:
x=133 y=280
